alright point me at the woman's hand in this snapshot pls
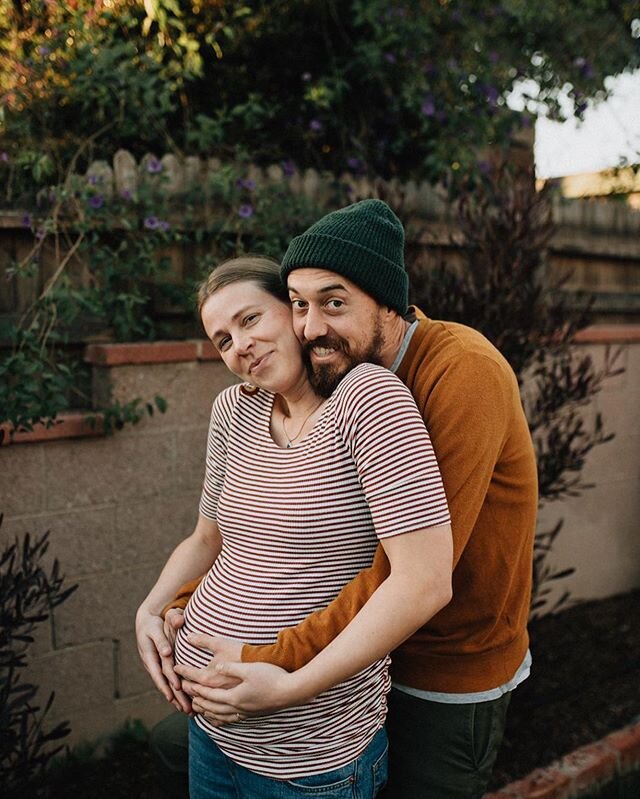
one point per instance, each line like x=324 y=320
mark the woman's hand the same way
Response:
x=227 y=691
x=173 y=621
x=156 y=653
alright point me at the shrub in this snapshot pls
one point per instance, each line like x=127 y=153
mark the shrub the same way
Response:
x=28 y=594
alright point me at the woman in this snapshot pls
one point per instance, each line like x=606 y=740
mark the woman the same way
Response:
x=299 y=489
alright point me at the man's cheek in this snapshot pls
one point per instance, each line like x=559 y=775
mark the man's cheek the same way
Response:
x=298 y=329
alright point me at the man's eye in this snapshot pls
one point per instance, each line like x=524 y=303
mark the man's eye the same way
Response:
x=335 y=304
x=224 y=343
x=298 y=305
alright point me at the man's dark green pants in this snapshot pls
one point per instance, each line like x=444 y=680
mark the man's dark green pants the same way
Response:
x=436 y=750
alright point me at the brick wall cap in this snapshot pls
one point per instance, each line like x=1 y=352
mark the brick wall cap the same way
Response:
x=145 y=352
x=70 y=424
x=609 y=334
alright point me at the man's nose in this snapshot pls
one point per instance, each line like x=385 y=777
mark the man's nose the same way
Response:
x=314 y=325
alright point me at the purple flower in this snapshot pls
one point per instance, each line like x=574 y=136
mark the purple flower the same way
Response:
x=154 y=166
x=315 y=125
x=93 y=180
x=584 y=67
x=356 y=165
x=27 y=220
x=428 y=107
x=4 y=157
x=164 y=226
x=245 y=211
x=40 y=233
x=288 y=167
x=306 y=77
x=96 y=201
x=151 y=222
x=246 y=183
x=390 y=57
x=126 y=194
x=43 y=51
x=492 y=94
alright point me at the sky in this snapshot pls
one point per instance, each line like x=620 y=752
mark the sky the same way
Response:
x=610 y=131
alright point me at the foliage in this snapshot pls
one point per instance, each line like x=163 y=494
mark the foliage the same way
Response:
x=111 y=261
x=28 y=594
x=501 y=289
x=398 y=88
x=119 y=767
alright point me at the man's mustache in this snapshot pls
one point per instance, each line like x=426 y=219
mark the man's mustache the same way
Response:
x=326 y=341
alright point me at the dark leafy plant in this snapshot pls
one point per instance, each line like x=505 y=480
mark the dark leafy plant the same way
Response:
x=494 y=278
x=400 y=88
x=28 y=593
x=111 y=272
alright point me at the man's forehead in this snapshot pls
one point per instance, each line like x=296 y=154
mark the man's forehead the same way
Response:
x=318 y=280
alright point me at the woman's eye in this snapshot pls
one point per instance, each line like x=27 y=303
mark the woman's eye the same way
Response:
x=250 y=318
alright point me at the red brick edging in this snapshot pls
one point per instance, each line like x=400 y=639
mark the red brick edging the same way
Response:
x=589 y=766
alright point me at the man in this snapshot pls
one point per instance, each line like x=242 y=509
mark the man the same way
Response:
x=452 y=678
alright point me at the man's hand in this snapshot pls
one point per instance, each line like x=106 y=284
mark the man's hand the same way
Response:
x=225 y=692
x=156 y=653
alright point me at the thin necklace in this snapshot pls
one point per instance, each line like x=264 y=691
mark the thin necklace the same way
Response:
x=290 y=440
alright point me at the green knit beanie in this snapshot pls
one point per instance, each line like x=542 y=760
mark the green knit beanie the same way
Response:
x=364 y=242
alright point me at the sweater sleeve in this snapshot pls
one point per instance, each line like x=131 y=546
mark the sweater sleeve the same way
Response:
x=296 y=646
x=383 y=430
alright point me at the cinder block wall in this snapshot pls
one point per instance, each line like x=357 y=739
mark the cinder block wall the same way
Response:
x=116 y=506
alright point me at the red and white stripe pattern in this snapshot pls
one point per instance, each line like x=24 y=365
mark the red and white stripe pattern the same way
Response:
x=297 y=525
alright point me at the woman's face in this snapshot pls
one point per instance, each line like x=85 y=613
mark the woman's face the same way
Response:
x=252 y=331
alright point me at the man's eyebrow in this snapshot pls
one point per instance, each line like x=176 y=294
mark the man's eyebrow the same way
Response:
x=324 y=289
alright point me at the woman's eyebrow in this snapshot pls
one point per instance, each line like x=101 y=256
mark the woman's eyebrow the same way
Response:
x=233 y=319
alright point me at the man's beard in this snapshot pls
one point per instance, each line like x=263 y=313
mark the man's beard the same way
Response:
x=324 y=378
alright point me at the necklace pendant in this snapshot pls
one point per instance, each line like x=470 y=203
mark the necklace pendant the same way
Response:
x=288 y=445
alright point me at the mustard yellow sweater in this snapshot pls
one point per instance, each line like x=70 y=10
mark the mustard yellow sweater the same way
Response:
x=469 y=399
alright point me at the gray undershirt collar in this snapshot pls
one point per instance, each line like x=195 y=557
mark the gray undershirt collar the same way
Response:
x=404 y=346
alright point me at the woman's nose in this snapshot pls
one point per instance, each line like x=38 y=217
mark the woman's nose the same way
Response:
x=243 y=344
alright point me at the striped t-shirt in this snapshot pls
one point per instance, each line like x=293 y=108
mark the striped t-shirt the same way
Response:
x=297 y=525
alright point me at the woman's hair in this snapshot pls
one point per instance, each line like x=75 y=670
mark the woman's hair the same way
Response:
x=257 y=269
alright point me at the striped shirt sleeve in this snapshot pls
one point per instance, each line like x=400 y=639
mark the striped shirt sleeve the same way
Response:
x=390 y=446
x=215 y=463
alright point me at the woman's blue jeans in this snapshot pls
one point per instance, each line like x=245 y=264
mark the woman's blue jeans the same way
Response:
x=212 y=775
